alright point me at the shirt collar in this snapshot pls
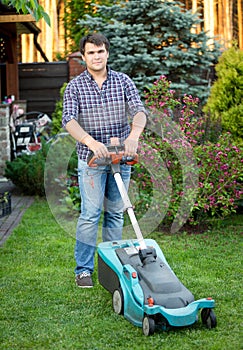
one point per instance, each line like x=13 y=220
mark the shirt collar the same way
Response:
x=90 y=77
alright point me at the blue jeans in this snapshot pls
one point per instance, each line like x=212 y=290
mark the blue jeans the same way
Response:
x=98 y=189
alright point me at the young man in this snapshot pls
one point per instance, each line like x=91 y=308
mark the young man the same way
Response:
x=96 y=107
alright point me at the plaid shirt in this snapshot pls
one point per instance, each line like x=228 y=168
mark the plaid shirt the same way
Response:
x=105 y=112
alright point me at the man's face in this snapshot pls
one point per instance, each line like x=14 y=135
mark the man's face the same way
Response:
x=95 y=57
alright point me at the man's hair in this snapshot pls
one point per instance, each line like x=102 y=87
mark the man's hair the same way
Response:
x=96 y=39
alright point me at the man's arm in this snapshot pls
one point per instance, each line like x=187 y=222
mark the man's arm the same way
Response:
x=80 y=135
x=131 y=142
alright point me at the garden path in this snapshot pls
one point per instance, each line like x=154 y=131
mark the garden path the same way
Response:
x=19 y=203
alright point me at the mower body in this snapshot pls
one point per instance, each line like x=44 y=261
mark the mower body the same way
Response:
x=146 y=285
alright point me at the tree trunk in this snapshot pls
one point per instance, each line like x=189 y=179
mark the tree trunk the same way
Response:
x=209 y=19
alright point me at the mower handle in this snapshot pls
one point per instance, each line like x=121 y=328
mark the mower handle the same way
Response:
x=116 y=155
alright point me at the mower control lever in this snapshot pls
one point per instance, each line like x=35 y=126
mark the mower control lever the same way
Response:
x=116 y=156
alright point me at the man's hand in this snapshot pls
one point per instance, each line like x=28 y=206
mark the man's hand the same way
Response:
x=98 y=148
x=131 y=146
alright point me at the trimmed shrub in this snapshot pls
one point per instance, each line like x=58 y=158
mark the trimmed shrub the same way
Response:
x=225 y=102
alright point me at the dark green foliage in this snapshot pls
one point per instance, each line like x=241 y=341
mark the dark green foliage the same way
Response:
x=57 y=114
x=226 y=99
x=34 y=175
x=61 y=158
x=27 y=172
x=153 y=38
x=61 y=173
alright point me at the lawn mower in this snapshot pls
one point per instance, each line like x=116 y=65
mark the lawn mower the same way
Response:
x=135 y=271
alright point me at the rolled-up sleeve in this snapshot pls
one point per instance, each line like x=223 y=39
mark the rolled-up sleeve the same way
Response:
x=70 y=104
x=134 y=102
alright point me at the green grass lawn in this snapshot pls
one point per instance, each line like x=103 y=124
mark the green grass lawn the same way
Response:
x=41 y=307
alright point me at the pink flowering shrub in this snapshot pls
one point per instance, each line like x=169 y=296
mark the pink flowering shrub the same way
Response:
x=220 y=177
x=202 y=171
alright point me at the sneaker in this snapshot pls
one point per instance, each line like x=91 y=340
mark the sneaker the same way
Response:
x=84 y=280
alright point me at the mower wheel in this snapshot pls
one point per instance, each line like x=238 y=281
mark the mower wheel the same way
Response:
x=208 y=318
x=148 y=325
x=117 y=301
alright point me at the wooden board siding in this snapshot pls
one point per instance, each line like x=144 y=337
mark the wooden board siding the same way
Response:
x=40 y=83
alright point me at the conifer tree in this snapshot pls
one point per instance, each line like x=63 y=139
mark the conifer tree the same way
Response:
x=150 y=38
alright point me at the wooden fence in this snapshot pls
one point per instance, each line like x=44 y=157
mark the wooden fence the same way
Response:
x=40 y=83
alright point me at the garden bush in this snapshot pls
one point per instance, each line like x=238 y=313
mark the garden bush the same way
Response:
x=220 y=177
x=225 y=102
x=27 y=171
x=177 y=129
